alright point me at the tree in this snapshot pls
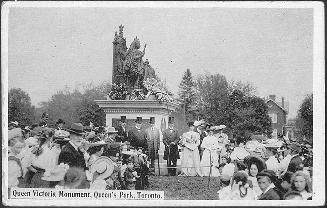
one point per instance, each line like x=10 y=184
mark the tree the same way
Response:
x=246 y=88
x=212 y=97
x=304 y=120
x=247 y=115
x=88 y=110
x=77 y=105
x=186 y=94
x=19 y=107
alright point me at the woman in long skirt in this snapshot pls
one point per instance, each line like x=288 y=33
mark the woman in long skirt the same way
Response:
x=190 y=156
x=210 y=155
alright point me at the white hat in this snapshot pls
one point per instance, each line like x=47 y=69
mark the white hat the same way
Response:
x=198 y=123
x=14 y=122
x=31 y=141
x=110 y=129
x=104 y=166
x=221 y=127
x=15 y=133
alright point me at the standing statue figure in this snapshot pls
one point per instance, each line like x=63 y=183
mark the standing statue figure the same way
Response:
x=147 y=71
x=132 y=65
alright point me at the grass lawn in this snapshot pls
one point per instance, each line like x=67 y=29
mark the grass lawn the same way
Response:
x=185 y=188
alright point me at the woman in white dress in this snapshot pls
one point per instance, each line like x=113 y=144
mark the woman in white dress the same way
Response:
x=190 y=156
x=210 y=155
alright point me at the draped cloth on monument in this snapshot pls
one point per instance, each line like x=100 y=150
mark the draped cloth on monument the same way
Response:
x=190 y=156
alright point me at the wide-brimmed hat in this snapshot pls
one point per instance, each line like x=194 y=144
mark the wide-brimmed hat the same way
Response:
x=111 y=130
x=152 y=120
x=31 y=141
x=60 y=121
x=104 y=166
x=273 y=143
x=258 y=161
x=198 y=123
x=138 y=120
x=220 y=127
x=76 y=128
x=97 y=143
x=15 y=123
x=61 y=134
x=15 y=133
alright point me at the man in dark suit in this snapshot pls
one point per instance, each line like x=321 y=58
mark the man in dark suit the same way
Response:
x=266 y=179
x=153 y=136
x=170 y=139
x=122 y=132
x=137 y=136
x=72 y=153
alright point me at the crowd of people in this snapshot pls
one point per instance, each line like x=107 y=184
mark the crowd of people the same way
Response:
x=108 y=158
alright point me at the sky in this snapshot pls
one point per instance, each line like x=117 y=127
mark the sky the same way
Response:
x=50 y=48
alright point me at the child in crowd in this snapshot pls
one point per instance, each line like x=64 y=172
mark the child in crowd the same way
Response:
x=223 y=162
x=74 y=178
x=301 y=182
x=266 y=180
x=293 y=195
x=254 y=169
x=242 y=187
x=225 y=192
x=285 y=182
x=130 y=175
x=227 y=168
x=15 y=170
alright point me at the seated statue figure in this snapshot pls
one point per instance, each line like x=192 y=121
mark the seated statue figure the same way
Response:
x=133 y=63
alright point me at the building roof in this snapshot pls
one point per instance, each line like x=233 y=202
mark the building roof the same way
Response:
x=277 y=105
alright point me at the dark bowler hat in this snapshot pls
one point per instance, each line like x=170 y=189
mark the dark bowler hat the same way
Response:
x=138 y=120
x=171 y=120
x=152 y=120
x=123 y=119
x=60 y=121
x=87 y=129
x=76 y=128
x=190 y=123
x=269 y=173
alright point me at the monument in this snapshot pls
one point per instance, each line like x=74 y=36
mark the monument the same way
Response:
x=136 y=90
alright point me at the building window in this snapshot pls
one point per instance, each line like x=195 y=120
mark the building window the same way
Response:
x=273 y=117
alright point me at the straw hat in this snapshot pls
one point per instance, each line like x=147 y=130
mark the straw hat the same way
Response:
x=97 y=143
x=221 y=127
x=104 y=166
x=111 y=130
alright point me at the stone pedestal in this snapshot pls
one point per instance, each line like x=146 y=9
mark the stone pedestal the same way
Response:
x=114 y=109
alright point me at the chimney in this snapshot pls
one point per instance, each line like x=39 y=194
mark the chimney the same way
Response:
x=272 y=97
x=283 y=100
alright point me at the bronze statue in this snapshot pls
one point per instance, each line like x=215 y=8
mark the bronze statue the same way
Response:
x=133 y=63
x=148 y=72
